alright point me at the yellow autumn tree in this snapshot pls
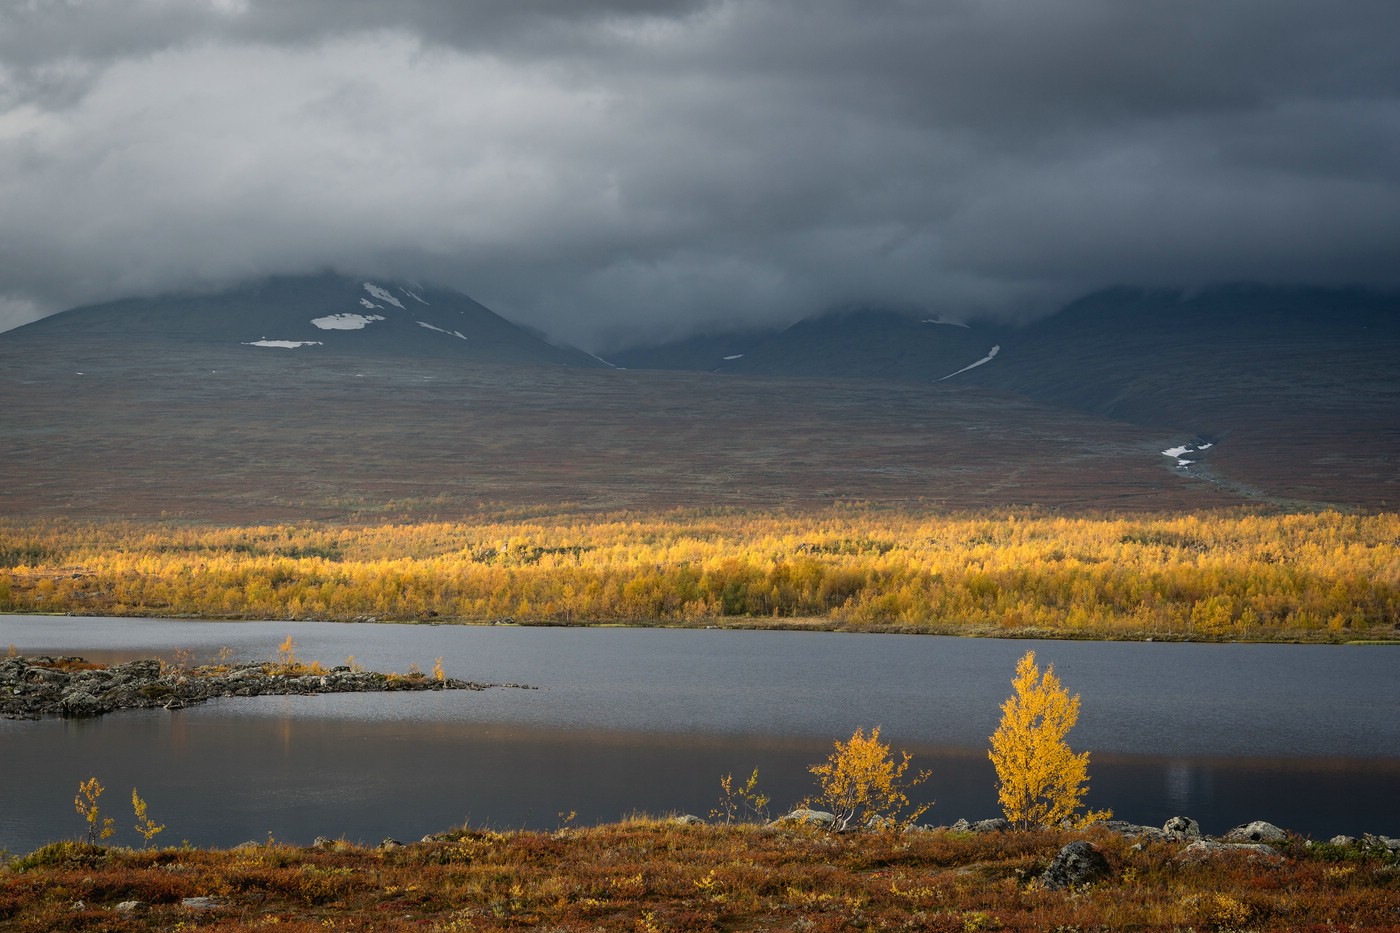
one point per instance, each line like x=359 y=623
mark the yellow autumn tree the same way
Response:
x=862 y=783
x=1041 y=782
x=146 y=826
x=86 y=803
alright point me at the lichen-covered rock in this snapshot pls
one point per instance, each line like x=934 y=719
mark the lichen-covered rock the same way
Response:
x=1131 y=830
x=997 y=825
x=1207 y=848
x=78 y=703
x=808 y=817
x=1374 y=842
x=1258 y=831
x=1182 y=827
x=1076 y=865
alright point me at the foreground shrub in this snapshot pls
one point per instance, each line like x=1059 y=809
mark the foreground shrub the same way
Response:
x=862 y=784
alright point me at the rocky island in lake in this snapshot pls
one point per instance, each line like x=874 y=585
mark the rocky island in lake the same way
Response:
x=36 y=686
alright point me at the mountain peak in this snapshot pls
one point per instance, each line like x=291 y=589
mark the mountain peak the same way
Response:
x=319 y=313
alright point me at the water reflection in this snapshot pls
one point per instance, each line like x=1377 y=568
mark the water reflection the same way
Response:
x=1178 y=784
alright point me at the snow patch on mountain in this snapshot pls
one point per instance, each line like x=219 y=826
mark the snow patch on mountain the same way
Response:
x=417 y=298
x=369 y=305
x=376 y=292
x=991 y=355
x=734 y=357
x=283 y=344
x=1183 y=454
x=346 y=321
x=934 y=320
x=450 y=333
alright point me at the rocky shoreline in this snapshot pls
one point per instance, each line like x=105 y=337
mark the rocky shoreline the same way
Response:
x=71 y=687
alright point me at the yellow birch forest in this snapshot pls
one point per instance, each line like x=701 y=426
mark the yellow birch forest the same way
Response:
x=1309 y=577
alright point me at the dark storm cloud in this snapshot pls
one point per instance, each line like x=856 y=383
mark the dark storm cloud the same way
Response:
x=615 y=169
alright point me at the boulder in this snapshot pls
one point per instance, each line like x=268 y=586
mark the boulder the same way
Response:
x=78 y=703
x=1182 y=827
x=1371 y=841
x=997 y=825
x=1258 y=831
x=1076 y=865
x=1207 y=848
x=141 y=669
x=1131 y=830
x=807 y=817
x=1342 y=841
x=688 y=819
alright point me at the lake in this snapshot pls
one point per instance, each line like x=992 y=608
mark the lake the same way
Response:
x=647 y=720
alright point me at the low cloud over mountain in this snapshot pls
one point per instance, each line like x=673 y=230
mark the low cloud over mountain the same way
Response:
x=610 y=171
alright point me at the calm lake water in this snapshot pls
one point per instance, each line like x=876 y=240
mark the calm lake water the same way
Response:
x=647 y=720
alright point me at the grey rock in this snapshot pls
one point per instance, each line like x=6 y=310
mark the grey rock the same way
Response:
x=202 y=903
x=391 y=843
x=1258 y=831
x=126 y=907
x=1182 y=827
x=1132 y=830
x=78 y=703
x=1371 y=841
x=1206 y=848
x=997 y=825
x=688 y=819
x=1342 y=841
x=321 y=842
x=807 y=817
x=141 y=669
x=1076 y=865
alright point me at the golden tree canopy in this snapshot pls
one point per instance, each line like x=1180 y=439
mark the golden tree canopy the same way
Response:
x=1041 y=782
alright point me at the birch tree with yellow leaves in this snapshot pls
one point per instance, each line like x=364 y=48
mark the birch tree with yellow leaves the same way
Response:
x=1041 y=782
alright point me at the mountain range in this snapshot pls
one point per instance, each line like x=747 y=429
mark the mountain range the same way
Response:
x=331 y=395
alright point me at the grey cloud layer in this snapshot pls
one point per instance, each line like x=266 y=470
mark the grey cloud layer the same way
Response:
x=614 y=170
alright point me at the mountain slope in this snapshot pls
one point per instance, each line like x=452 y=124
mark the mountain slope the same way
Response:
x=315 y=314
x=864 y=344
x=1296 y=389
x=1202 y=360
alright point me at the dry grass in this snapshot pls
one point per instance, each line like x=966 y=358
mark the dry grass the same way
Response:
x=655 y=875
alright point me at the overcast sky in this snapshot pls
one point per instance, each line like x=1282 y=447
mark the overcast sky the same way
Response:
x=617 y=170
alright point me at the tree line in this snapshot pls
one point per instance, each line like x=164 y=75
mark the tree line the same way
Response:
x=1202 y=576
